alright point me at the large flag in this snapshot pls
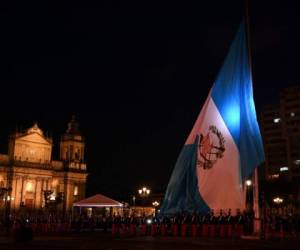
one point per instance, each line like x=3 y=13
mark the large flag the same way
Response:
x=224 y=146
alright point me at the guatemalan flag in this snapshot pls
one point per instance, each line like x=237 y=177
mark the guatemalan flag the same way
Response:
x=224 y=146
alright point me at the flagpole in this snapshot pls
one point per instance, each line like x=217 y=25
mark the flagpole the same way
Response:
x=247 y=22
x=257 y=218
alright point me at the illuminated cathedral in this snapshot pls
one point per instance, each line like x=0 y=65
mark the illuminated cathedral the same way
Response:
x=30 y=179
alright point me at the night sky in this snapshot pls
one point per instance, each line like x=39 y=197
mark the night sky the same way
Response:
x=135 y=74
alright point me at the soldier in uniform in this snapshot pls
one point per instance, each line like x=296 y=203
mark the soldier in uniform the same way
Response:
x=239 y=223
x=175 y=224
x=212 y=224
x=221 y=224
x=144 y=225
x=194 y=224
x=205 y=224
x=132 y=227
x=154 y=226
x=229 y=223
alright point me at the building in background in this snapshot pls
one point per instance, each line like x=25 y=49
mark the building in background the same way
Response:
x=30 y=179
x=280 y=127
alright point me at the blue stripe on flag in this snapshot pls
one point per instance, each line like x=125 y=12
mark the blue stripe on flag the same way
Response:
x=233 y=95
x=182 y=192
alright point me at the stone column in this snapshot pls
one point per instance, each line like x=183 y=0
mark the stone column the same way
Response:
x=18 y=192
x=43 y=188
x=14 y=192
x=35 y=194
x=22 y=189
x=38 y=193
x=68 y=194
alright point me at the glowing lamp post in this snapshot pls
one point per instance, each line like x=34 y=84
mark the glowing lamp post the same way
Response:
x=144 y=192
x=249 y=194
x=155 y=204
x=248 y=183
x=278 y=200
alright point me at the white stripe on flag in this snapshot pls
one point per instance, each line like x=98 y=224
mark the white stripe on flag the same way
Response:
x=220 y=186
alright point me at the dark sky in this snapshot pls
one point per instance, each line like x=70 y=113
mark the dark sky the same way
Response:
x=135 y=73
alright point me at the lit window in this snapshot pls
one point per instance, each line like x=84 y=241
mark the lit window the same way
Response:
x=276 y=120
x=54 y=182
x=52 y=197
x=292 y=114
x=29 y=186
x=75 y=190
x=283 y=169
x=274 y=176
x=297 y=162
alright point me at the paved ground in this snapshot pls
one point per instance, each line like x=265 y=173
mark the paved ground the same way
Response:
x=90 y=241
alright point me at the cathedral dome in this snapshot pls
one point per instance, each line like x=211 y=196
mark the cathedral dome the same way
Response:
x=35 y=129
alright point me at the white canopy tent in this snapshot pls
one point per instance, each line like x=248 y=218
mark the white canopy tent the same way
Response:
x=98 y=201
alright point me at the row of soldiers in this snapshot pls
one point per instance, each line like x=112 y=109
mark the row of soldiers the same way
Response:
x=209 y=225
x=184 y=224
x=121 y=225
x=56 y=224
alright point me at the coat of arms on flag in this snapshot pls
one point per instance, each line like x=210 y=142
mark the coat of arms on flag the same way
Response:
x=211 y=148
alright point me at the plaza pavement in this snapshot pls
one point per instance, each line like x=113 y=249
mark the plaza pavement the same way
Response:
x=101 y=241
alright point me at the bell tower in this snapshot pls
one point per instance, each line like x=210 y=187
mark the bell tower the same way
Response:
x=72 y=144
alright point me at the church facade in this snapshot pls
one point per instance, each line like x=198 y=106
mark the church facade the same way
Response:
x=30 y=179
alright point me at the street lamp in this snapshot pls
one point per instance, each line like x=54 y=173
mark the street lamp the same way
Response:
x=155 y=203
x=248 y=183
x=4 y=193
x=144 y=192
x=278 y=200
x=249 y=194
x=8 y=198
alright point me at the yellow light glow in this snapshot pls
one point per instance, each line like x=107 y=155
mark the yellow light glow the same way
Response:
x=155 y=203
x=277 y=200
x=52 y=197
x=248 y=183
x=144 y=191
x=75 y=190
x=29 y=186
x=54 y=183
x=274 y=176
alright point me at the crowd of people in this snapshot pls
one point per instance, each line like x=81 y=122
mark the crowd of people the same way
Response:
x=180 y=225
